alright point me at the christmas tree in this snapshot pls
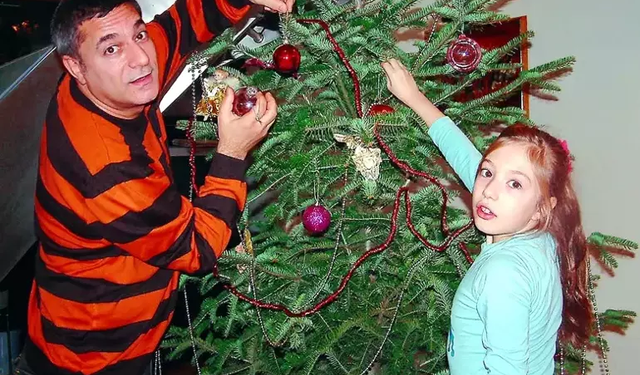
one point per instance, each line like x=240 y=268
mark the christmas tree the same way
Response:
x=352 y=246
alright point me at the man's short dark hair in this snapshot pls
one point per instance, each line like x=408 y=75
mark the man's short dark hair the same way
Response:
x=70 y=14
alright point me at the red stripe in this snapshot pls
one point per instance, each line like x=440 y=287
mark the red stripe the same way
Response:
x=233 y=189
x=189 y=261
x=231 y=13
x=176 y=19
x=214 y=230
x=84 y=127
x=55 y=231
x=160 y=238
x=89 y=363
x=160 y=40
x=198 y=23
x=120 y=270
x=99 y=316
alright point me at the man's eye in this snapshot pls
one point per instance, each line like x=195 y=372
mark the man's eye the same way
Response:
x=110 y=50
x=143 y=35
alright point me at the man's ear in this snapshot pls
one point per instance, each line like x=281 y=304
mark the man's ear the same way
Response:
x=75 y=68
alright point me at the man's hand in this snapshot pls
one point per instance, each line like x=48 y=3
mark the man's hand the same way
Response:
x=239 y=135
x=280 y=6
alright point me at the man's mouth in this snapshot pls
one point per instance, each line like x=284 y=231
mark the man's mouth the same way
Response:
x=142 y=80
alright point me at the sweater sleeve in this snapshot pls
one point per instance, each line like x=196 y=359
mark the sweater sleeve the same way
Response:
x=125 y=199
x=172 y=232
x=504 y=300
x=457 y=149
x=187 y=24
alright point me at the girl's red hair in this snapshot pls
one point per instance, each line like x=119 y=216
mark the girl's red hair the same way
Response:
x=552 y=166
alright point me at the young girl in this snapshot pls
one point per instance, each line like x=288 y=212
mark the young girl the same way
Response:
x=530 y=278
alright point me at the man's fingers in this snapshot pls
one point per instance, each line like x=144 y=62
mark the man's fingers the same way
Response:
x=274 y=5
x=227 y=103
x=272 y=110
x=290 y=5
x=261 y=106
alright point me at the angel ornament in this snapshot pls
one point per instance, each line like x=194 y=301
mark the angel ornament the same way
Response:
x=213 y=92
x=367 y=160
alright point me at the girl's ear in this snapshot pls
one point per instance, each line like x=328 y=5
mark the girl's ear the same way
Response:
x=536 y=216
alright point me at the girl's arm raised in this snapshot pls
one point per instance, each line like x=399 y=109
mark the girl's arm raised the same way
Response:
x=459 y=152
x=457 y=149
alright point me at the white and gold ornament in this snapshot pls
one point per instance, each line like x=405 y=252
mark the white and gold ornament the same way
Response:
x=366 y=159
x=213 y=92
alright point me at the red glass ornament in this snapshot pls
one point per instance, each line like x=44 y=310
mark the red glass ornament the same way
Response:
x=464 y=54
x=380 y=109
x=245 y=99
x=286 y=59
x=316 y=219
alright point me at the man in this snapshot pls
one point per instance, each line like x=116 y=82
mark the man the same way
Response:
x=114 y=232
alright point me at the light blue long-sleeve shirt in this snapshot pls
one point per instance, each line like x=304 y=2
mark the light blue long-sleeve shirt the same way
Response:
x=508 y=307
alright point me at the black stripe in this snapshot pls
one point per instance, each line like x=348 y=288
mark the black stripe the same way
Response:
x=86 y=290
x=180 y=247
x=138 y=365
x=155 y=125
x=134 y=225
x=64 y=215
x=188 y=40
x=207 y=256
x=224 y=166
x=136 y=123
x=110 y=340
x=238 y=3
x=165 y=20
x=127 y=228
x=71 y=167
x=224 y=208
x=82 y=254
x=216 y=21
x=39 y=364
x=155 y=122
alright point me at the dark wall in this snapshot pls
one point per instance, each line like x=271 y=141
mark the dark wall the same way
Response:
x=23 y=110
x=24 y=27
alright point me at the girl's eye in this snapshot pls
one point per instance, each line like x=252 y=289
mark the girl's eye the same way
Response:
x=484 y=172
x=515 y=184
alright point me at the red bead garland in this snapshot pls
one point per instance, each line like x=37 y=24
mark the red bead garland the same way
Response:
x=343 y=58
x=402 y=192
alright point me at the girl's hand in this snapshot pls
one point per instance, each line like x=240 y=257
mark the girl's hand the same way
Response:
x=404 y=87
x=400 y=82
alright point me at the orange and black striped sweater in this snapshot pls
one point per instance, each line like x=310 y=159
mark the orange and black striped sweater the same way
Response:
x=114 y=231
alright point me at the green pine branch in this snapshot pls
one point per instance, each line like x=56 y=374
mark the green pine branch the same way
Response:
x=301 y=163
